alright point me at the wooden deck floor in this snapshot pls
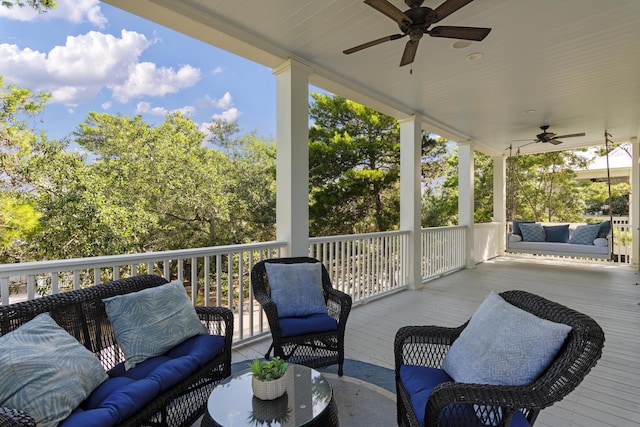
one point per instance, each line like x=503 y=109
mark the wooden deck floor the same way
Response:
x=610 y=394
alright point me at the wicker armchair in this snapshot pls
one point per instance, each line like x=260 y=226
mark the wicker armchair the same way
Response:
x=315 y=349
x=458 y=404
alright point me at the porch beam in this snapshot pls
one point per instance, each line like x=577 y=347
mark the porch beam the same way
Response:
x=410 y=203
x=466 y=199
x=292 y=156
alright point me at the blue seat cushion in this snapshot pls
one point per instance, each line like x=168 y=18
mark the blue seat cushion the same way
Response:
x=128 y=391
x=294 y=326
x=419 y=382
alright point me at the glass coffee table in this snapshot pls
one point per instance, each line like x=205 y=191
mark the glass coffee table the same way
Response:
x=308 y=401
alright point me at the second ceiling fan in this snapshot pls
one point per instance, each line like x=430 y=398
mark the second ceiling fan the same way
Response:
x=415 y=22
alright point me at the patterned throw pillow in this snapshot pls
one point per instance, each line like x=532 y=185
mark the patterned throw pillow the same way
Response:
x=503 y=345
x=45 y=371
x=532 y=232
x=150 y=322
x=585 y=234
x=516 y=226
x=296 y=288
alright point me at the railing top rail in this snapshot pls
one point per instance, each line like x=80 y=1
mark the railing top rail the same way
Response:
x=357 y=236
x=447 y=227
x=113 y=260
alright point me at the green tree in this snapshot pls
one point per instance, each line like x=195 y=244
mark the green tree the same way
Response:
x=354 y=155
x=542 y=187
x=39 y=5
x=250 y=183
x=163 y=172
x=18 y=216
x=440 y=203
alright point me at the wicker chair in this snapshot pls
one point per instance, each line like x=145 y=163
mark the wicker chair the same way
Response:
x=316 y=349
x=450 y=403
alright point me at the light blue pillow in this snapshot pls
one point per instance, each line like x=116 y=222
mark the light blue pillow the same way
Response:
x=151 y=322
x=296 y=289
x=45 y=371
x=503 y=345
x=585 y=234
x=532 y=232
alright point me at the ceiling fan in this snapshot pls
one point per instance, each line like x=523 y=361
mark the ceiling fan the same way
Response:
x=415 y=22
x=551 y=137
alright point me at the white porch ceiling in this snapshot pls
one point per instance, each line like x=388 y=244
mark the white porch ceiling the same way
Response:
x=574 y=63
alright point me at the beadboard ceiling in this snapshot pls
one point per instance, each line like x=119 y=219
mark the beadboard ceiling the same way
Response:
x=571 y=64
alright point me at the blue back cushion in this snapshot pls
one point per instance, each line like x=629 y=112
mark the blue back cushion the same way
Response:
x=605 y=228
x=556 y=233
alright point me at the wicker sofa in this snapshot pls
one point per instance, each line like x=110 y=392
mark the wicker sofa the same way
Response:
x=169 y=390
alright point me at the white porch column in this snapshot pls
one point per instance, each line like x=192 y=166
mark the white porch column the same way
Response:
x=465 y=198
x=500 y=198
x=292 y=156
x=410 y=202
x=634 y=208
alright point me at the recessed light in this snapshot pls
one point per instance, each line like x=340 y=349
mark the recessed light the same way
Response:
x=526 y=112
x=475 y=56
x=461 y=44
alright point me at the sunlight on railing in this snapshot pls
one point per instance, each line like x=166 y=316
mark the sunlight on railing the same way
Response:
x=363 y=265
x=443 y=251
x=366 y=266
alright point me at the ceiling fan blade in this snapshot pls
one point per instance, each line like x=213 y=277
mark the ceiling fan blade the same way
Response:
x=373 y=43
x=464 y=33
x=554 y=141
x=409 y=53
x=447 y=8
x=571 y=135
x=386 y=8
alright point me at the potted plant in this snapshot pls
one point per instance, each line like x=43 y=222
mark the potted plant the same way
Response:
x=268 y=378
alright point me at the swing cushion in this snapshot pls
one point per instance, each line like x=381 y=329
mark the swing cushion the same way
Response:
x=605 y=228
x=556 y=233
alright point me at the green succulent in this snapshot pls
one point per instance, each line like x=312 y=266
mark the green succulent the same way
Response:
x=267 y=370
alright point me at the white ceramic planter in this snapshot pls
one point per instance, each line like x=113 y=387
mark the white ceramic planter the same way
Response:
x=269 y=390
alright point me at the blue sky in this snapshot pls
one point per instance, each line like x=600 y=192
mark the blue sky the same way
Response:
x=93 y=57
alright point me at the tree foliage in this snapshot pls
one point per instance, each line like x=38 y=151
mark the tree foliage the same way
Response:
x=542 y=187
x=354 y=163
x=39 y=5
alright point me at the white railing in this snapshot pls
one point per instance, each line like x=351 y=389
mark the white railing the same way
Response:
x=487 y=240
x=442 y=251
x=364 y=266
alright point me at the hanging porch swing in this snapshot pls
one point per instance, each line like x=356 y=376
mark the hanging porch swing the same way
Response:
x=594 y=241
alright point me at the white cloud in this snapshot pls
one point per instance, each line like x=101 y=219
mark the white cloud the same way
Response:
x=146 y=79
x=229 y=115
x=225 y=102
x=146 y=108
x=106 y=105
x=77 y=71
x=76 y=11
x=217 y=70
